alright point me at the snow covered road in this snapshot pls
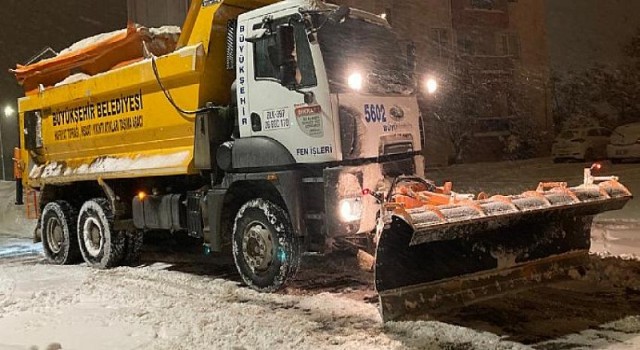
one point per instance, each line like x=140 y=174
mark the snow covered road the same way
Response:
x=178 y=301
x=187 y=306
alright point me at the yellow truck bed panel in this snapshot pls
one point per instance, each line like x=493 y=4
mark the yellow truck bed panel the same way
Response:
x=127 y=165
x=122 y=119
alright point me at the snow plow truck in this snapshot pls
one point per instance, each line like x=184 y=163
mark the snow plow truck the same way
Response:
x=269 y=129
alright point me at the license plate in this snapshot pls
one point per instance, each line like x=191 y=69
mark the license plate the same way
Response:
x=277 y=119
x=622 y=152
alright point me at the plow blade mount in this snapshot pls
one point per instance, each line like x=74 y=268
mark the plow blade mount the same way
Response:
x=432 y=259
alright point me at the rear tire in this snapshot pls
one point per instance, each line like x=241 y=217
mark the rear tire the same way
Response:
x=59 y=240
x=100 y=245
x=265 y=248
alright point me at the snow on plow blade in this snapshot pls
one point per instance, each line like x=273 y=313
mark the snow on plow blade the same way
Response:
x=433 y=258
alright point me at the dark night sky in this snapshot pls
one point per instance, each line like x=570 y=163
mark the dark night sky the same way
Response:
x=584 y=32
x=30 y=25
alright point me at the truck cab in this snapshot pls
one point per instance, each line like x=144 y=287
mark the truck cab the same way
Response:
x=324 y=96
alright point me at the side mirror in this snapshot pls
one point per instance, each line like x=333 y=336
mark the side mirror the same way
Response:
x=287 y=60
x=339 y=15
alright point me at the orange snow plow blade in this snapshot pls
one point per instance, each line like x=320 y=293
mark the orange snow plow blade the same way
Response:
x=432 y=257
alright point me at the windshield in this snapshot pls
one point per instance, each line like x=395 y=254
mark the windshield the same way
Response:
x=356 y=46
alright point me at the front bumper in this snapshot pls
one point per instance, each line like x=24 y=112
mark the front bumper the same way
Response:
x=348 y=182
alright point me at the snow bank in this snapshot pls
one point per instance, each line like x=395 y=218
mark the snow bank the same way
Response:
x=159 y=307
x=153 y=308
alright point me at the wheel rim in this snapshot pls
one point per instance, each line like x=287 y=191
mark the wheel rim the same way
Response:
x=92 y=236
x=55 y=235
x=257 y=246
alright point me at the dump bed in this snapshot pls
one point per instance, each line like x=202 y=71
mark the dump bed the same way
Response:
x=118 y=123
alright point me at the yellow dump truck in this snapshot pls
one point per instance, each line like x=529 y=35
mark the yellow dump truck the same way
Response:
x=267 y=130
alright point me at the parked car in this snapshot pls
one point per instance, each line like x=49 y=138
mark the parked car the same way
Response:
x=624 y=143
x=587 y=143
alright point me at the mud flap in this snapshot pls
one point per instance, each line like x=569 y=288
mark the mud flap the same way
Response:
x=429 y=270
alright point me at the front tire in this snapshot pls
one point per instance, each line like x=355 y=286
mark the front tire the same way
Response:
x=100 y=245
x=59 y=240
x=265 y=248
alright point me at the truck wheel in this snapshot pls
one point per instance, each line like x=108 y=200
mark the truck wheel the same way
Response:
x=132 y=248
x=101 y=246
x=265 y=248
x=59 y=240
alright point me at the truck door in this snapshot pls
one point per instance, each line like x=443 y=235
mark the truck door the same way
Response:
x=278 y=112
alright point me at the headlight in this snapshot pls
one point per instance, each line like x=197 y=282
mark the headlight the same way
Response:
x=431 y=85
x=355 y=81
x=350 y=209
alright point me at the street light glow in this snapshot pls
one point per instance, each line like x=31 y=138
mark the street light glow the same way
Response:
x=355 y=81
x=8 y=111
x=432 y=86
